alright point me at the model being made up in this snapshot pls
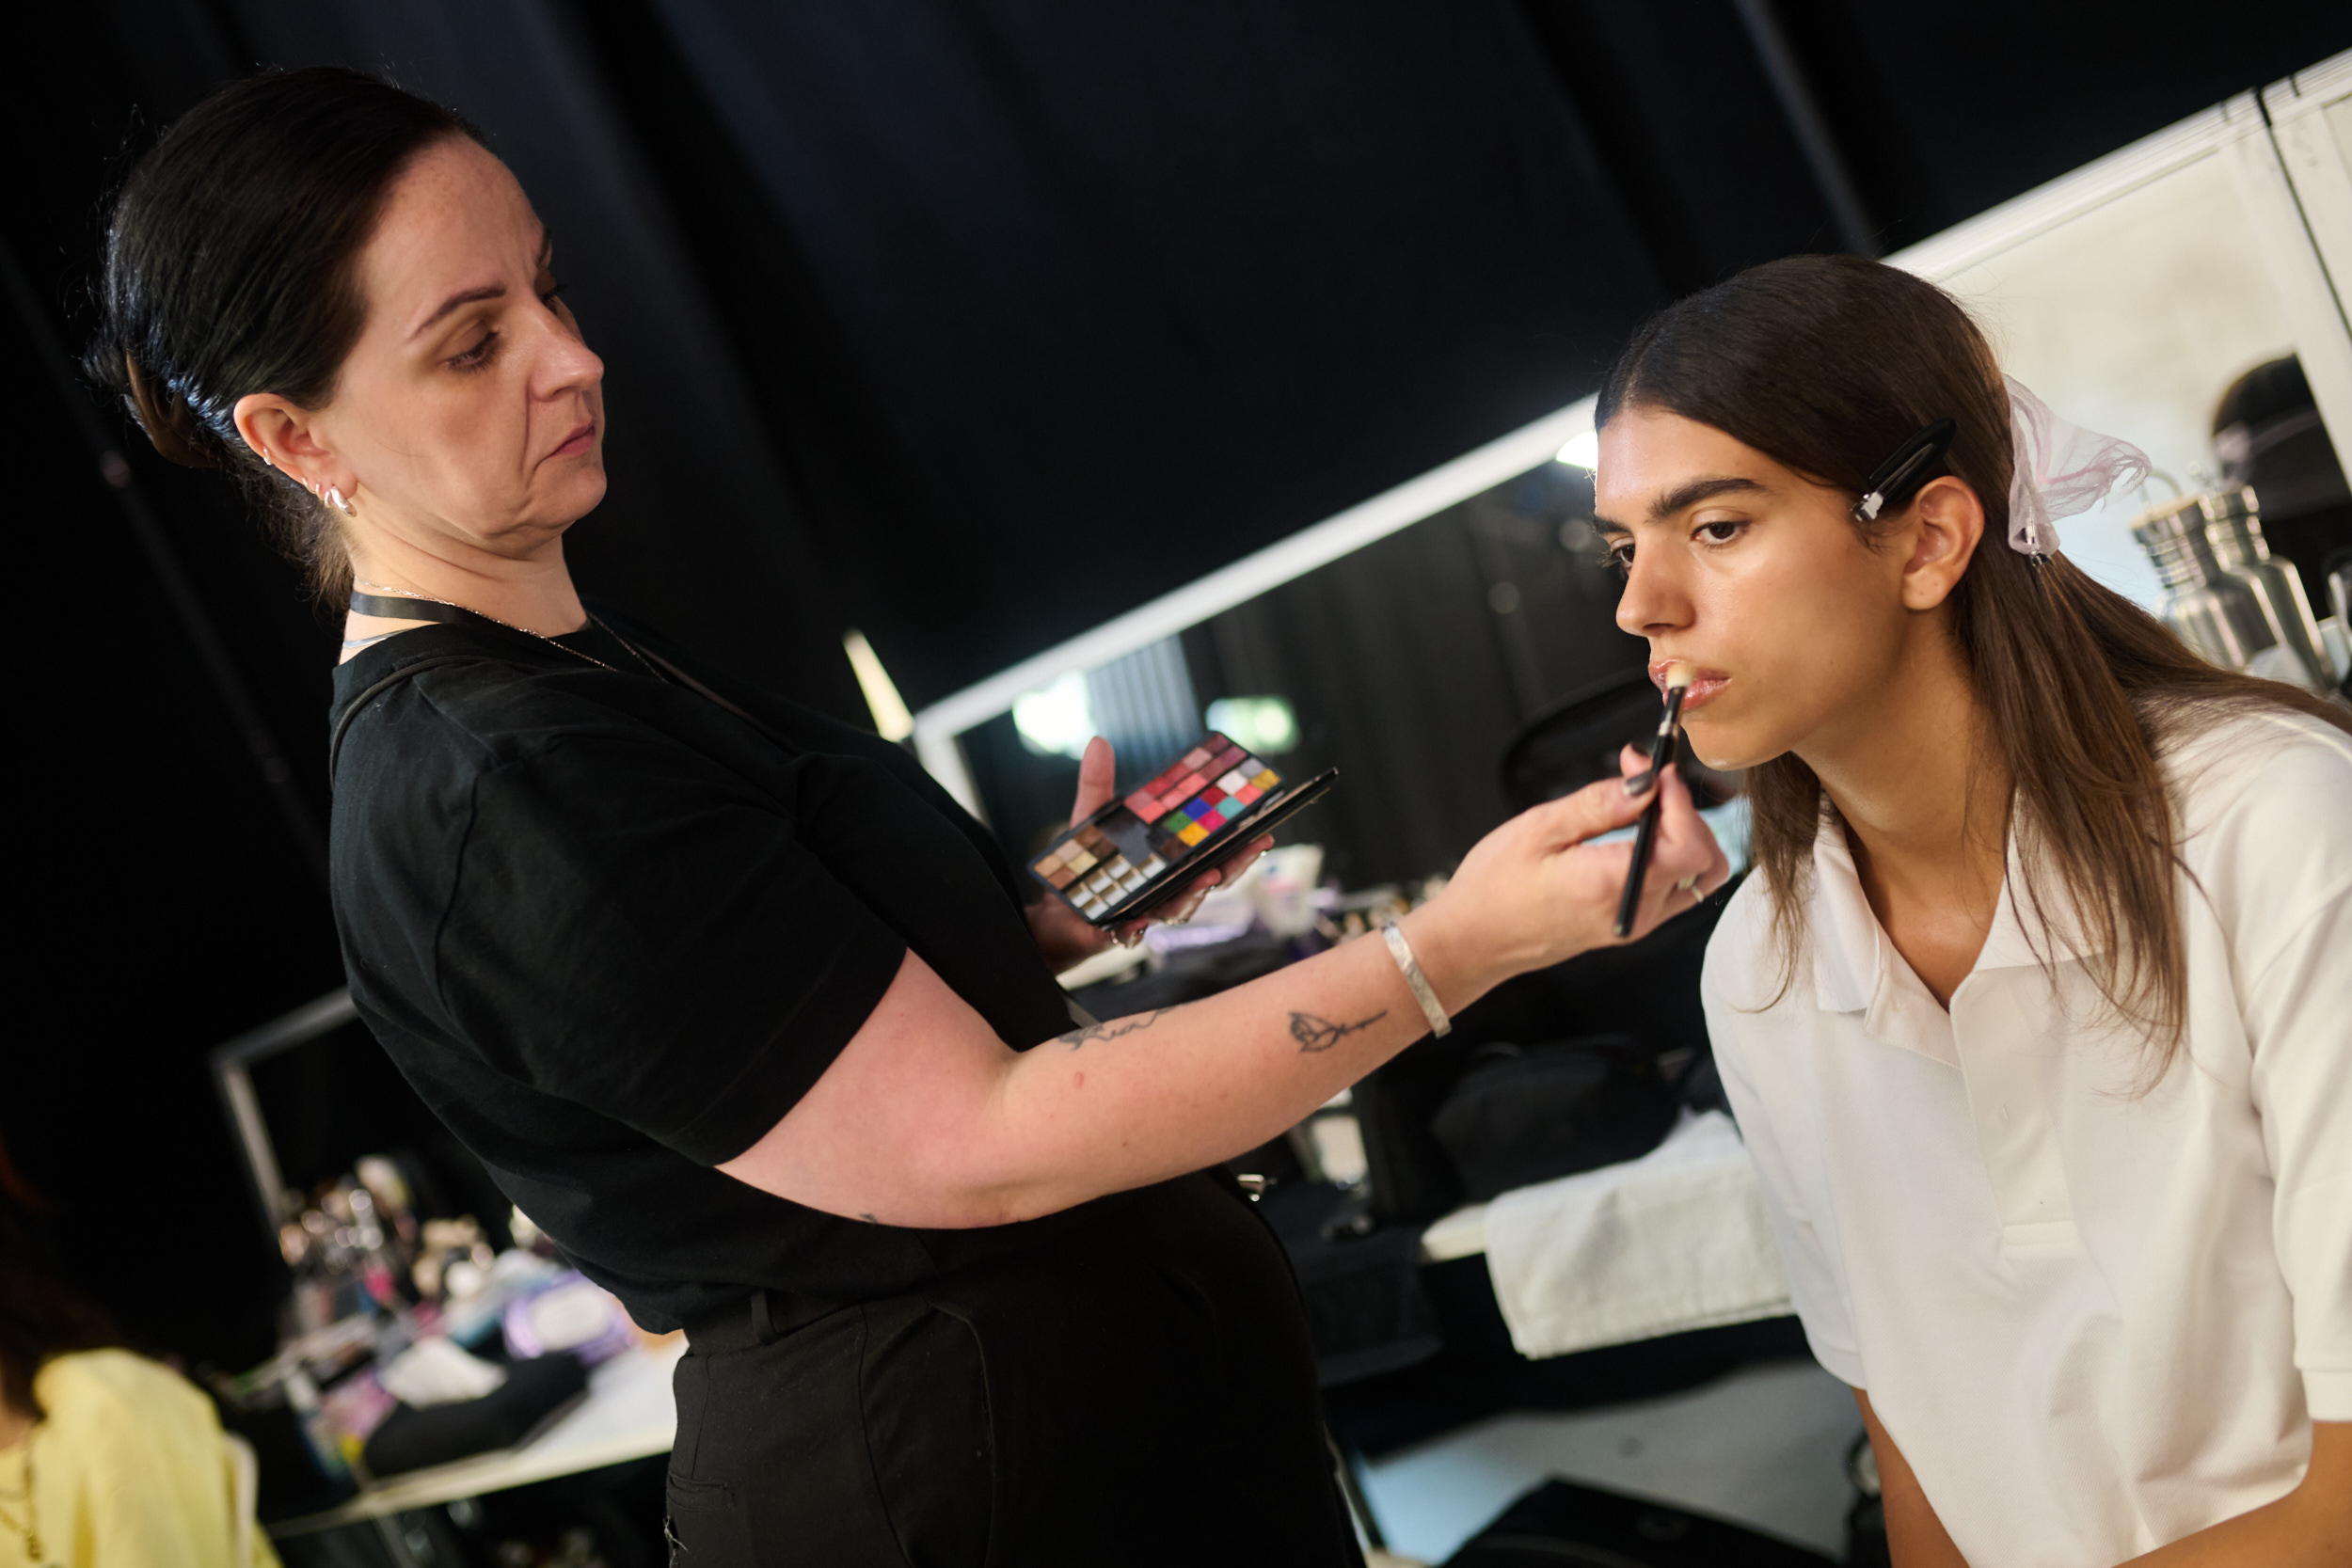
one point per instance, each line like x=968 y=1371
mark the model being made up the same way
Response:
x=2034 y=1016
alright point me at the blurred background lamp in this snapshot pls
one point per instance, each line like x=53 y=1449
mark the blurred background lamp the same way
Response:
x=1265 y=724
x=1058 y=720
x=1582 y=450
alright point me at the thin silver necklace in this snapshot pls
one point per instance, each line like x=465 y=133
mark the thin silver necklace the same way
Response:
x=390 y=591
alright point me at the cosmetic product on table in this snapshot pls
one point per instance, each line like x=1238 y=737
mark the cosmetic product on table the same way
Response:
x=2336 y=631
x=1132 y=856
x=2215 y=612
x=2234 y=530
x=1662 y=750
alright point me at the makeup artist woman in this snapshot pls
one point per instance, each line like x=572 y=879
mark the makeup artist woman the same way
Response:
x=732 y=1000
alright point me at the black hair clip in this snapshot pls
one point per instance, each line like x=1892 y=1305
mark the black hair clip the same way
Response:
x=1894 y=480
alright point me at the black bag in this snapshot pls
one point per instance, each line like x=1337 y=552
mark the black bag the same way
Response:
x=1561 y=1524
x=1524 y=1114
x=534 y=1390
x=1646 y=990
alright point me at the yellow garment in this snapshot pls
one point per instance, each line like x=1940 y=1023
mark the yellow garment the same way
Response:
x=129 y=1470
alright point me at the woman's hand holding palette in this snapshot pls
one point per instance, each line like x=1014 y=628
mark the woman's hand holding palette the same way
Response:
x=1132 y=856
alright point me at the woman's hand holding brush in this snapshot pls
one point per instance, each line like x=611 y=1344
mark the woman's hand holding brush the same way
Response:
x=1494 y=920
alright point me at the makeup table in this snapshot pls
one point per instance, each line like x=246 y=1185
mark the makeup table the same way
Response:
x=629 y=1413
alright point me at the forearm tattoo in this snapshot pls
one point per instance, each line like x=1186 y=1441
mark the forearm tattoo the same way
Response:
x=1115 y=1028
x=1312 y=1033
x=1320 y=1034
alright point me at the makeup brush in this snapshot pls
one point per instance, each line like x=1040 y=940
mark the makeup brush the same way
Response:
x=1662 y=750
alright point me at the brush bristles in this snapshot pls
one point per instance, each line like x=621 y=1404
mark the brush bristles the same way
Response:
x=1679 y=675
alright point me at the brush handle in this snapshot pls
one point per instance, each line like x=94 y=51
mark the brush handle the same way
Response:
x=1661 y=749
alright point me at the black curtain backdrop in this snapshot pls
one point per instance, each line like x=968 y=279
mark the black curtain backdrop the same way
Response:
x=970 y=325
x=1204 y=273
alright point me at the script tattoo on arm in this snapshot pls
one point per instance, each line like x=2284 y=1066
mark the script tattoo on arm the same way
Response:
x=1320 y=1034
x=1115 y=1028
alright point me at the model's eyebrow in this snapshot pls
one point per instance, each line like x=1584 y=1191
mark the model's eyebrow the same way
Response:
x=488 y=290
x=1685 y=496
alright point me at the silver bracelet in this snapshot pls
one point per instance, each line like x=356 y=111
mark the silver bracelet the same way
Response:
x=1402 y=951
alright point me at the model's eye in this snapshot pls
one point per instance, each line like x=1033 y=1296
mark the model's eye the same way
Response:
x=1723 y=530
x=549 y=295
x=1617 y=555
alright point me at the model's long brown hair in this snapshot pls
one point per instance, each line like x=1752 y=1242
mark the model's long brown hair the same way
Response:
x=1826 y=364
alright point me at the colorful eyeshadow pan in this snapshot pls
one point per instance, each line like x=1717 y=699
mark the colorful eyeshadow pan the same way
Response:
x=1120 y=852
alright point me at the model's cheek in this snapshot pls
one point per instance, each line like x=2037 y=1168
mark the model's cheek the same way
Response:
x=1762 y=710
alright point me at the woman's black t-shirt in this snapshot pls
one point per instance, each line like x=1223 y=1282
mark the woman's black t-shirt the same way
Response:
x=612 y=933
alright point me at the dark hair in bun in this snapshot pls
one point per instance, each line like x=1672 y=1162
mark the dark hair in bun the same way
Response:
x=230 y=264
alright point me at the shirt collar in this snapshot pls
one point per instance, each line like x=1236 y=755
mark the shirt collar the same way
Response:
x=1857 y=970
x=2024 y=937
x=1845 y=934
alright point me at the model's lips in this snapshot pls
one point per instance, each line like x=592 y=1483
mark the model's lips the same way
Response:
x=577 y=441
x=1704 y=685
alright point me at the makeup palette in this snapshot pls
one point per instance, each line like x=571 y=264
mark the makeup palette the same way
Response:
x=1136 y=853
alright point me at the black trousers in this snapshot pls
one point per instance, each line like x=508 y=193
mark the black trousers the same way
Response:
x=1139 y=1395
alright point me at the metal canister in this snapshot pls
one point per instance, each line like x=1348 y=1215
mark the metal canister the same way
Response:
x=2214 y=612
x=2234 y=531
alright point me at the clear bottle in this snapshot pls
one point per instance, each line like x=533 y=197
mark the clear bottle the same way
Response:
x=2217 y=615
x=2234 y=531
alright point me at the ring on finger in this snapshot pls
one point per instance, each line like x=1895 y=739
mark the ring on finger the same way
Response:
x=1690 y=885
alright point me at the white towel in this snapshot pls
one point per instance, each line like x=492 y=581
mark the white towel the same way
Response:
x=1674 y=1241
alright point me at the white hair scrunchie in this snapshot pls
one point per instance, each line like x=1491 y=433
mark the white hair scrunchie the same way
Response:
x=2059 y=470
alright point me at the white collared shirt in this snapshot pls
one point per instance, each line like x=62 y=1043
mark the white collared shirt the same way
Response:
x=2093 y=1319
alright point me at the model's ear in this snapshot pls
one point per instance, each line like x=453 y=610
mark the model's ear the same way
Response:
x=1945 y=525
